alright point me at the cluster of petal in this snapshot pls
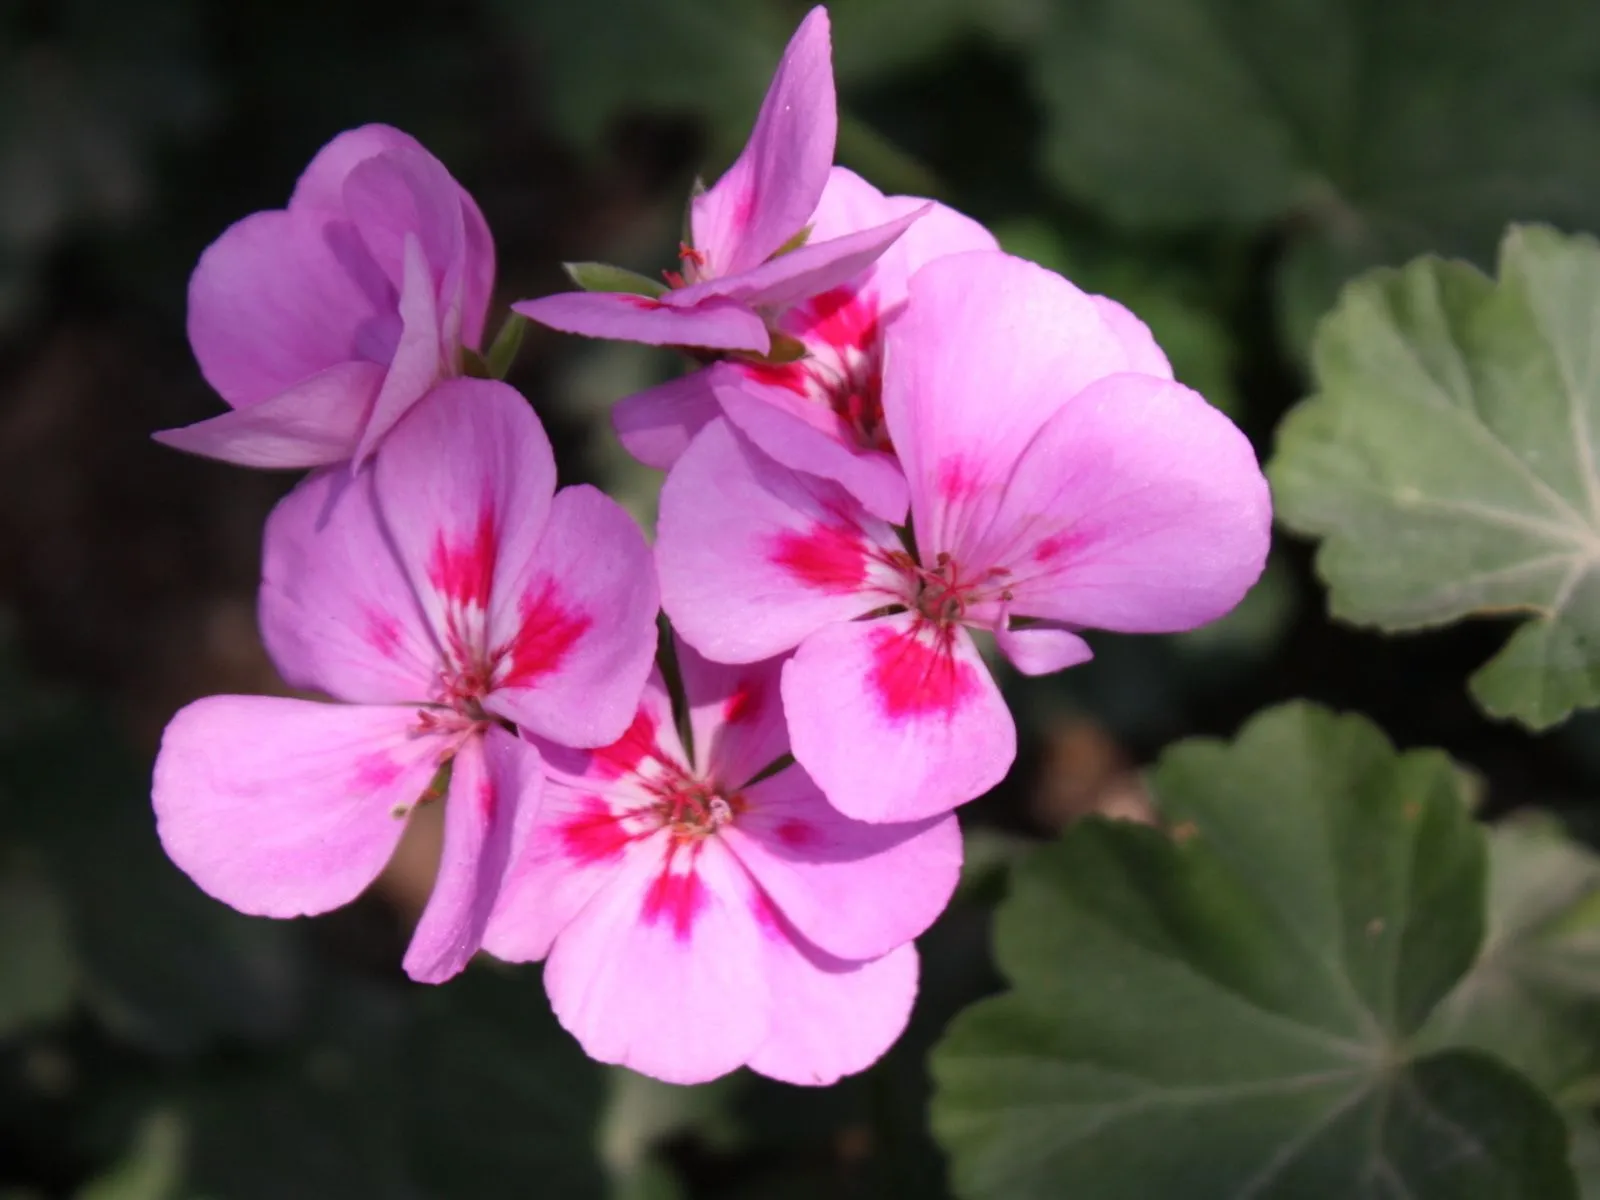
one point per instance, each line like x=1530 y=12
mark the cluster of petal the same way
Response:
x=323 y=323
x=443 y=594
x=700 y=914
x=822 y=413
x=752 y=254
x=1059 y=480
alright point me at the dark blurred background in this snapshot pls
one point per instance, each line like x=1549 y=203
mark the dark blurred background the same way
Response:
x=1221 y=166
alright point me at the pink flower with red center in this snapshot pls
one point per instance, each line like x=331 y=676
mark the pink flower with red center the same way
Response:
x=702 y=912
x=321 y=324
x=1059 y=480
x=752 y=255
x=823 y=413
x=445 y=594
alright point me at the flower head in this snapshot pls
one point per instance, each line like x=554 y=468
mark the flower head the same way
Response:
x=1059 y=480
x=821 y=413
x=700 y=914
x=752 y=254
x=322 y=323
x=443 y=595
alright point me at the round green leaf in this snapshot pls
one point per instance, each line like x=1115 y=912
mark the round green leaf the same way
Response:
x=1448 y=459
x=1228 y=1010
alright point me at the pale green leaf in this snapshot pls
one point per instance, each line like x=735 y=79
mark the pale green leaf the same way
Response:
x=1228 y=1011
x=1448 y=459
x=38 y=969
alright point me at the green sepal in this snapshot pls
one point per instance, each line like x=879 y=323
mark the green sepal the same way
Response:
x=603 y=277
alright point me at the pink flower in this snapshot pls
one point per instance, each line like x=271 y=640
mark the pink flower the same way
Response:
x=321 y=324
x=822 y=414
x=1057 y=474
x=696 y=921
x=743 y=262
x=446 y=591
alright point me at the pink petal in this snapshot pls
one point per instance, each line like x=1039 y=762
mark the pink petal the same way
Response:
x=576 y=623
x=321 y=184
x=1041 y=649
x=849 y=204
x=832 y=1018
x=895 y=722
x=287 y=807
x=735 y=716
x=753 y=556
x=776 y=421
x=595 y=805
x=1144 y=355
x=464 y=483
x=477 y=274
x=270 y=304
x=855 y=890
x=1137 y=508
x=402 y=194
x=961 y=408
x=663 y=971
x=768 y=194
x=418 y=358
x=313 y=423
x=657 y=424
x=714 y=322
x=790 y=278
x=494 y=795
x=337 y=613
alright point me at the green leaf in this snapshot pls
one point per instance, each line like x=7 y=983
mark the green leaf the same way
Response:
x=1449 y=460
x=1228 y=1011
x=151 y=1170
x=603 y=277
x=507 y=342
x=1533 y=997
x=38 y=970
x=1372 y=131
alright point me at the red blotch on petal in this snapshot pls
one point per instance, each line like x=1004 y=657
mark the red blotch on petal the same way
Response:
x=841 y=317
x=957 y=479
x=625 y=754
x=545 y=636
x=743 y=705
x=375 y=772
x=675 y=898
x=827 y=558
x=912 y=678
x=796 y=834
x=1055 y=546
x=645 y=302
x=789 y=376
x=593 y=834
x=462 y=569
x=488 y=801
x=382 y=632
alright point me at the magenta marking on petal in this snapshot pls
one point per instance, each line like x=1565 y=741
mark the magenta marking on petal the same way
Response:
x=843 y=318
x=488 y=801
x=593 y=834
x=463 y=570
x=827 y=558
x=744 y=705
x=957 y=479
x=796 y=834
x=1057 y=545
x=625 y=754
x=545 y=637
x=912 y=678
x=675 y=898
x=375 y=772
x=381 y=632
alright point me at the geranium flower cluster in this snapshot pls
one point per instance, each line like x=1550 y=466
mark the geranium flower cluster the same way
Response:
x=895 y=436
